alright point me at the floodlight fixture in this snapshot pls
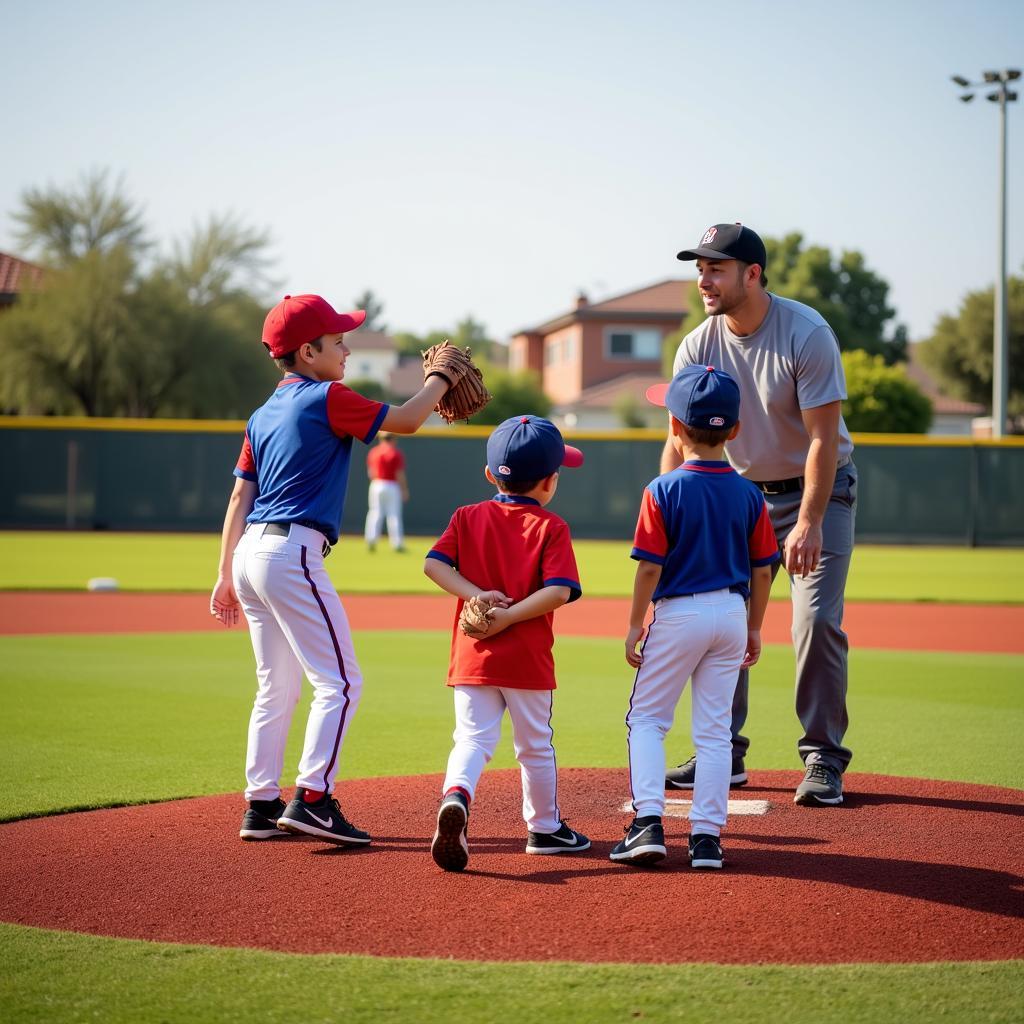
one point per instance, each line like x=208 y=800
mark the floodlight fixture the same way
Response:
x=1002 y=96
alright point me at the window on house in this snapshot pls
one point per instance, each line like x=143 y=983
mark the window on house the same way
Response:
x=634 y=343
x=556 y=351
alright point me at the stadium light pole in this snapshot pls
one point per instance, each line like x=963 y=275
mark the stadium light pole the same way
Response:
x=997 y=82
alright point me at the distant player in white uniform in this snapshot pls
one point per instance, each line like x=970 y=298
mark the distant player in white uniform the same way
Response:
x=704 y=545
x=796 y=449
x=282 y=518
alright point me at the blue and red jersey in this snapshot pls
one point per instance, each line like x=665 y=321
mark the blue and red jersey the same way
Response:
x=706 y=527
x=511 y=544
x=297 y=449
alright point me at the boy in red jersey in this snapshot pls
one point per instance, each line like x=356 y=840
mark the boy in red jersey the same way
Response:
x=514 y=553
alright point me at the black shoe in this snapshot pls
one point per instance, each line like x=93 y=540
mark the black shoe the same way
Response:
x=322 y=819
x=565 y=840
x=644 y=842
x=705 y=852
x=822 y=786
x=683 y=776
x=449 y=848
x=260 y=820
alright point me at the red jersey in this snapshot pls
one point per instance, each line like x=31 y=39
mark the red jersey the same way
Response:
x=511 y=544
x=384 y=461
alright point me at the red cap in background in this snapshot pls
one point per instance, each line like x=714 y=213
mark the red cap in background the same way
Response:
x=297 y=319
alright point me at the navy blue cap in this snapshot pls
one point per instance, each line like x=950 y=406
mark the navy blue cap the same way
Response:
x=701 y=397
x=526 y=448
x=728 y=242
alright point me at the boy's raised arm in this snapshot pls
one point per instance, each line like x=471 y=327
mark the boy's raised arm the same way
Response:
x=410 y=416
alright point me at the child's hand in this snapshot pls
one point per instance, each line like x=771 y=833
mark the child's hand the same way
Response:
x=224 y=603
x=494 y=598
x=500 y=620
x=633 y=637
x=753 y=648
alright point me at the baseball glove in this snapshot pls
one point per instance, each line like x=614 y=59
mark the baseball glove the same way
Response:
x=474 y=619
x=468 y=394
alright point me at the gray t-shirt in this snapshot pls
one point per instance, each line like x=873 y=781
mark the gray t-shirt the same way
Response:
x=791 y=362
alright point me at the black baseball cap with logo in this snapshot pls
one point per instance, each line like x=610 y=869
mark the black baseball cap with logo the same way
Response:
x=728 y=242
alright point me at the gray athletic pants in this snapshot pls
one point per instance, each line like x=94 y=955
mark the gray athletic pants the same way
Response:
x=819 y=641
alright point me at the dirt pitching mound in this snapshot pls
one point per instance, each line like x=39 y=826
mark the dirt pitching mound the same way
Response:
x=907 y=870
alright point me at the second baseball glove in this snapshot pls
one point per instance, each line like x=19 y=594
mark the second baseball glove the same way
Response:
x=474 y=619
x=468 y=394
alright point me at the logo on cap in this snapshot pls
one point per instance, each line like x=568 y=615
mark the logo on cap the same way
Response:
x=504 y=471
x=709 y=236
x=717 y=421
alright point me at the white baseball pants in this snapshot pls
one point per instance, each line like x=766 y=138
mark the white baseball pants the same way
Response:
x=385 y=503
x=703 y=638
x=297 y=624
x=478 y=714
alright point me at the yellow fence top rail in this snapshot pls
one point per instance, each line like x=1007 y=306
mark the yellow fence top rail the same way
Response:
x=174 y=426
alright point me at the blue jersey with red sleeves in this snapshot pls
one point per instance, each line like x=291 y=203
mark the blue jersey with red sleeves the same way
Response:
x=511 y=544
x=297 y=449
x=705 y=526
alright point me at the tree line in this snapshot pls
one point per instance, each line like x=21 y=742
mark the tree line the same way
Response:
x=123 y=327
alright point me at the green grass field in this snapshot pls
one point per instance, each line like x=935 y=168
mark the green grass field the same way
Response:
x=66 y=561
x=102 y=720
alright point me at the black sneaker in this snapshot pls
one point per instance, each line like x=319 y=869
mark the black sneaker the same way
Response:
x=705 y=851
x=683 y=776
x=822 y=786
x=260 y=820
x=322 y=819
x=449 y=848
x=565 y=840
x=644 y=842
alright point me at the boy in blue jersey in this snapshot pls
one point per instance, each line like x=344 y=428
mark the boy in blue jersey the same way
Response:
x=704 y=546
x=282 y=518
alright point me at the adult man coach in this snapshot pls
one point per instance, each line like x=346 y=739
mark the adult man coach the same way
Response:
x=794 y=445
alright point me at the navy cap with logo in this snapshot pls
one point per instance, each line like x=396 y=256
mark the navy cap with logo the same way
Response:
x=526 y=448
x=728 y=242
x=701 y=397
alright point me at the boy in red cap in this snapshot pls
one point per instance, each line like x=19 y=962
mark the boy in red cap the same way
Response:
x=704 y=544
x=282 y=518
x=515 y=555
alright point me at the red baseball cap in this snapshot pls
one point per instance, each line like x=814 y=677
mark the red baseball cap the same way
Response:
x=297 y=319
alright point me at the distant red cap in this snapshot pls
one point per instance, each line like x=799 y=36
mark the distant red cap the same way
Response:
x=297 y=319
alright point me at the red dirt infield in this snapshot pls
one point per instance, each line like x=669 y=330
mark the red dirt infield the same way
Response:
x=907 y=870
x=933 y=627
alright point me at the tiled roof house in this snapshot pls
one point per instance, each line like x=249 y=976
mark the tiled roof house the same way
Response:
x=591 y=356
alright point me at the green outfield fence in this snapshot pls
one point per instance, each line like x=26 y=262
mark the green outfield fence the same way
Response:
x=175 y=475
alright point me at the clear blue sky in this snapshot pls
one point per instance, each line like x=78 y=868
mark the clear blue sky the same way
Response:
x=492 y=159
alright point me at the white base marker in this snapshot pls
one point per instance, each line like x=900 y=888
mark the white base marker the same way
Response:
x=680 y=808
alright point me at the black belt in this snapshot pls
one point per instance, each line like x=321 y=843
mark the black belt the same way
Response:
x=283 y=529
x=794 y=483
